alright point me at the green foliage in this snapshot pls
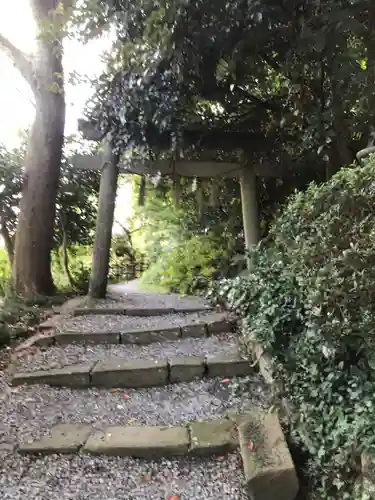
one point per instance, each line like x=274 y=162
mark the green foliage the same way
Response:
x=76 y=203
x=309 y=301
x=186 y=267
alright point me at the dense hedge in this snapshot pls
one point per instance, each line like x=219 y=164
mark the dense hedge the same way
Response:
x=310 y=302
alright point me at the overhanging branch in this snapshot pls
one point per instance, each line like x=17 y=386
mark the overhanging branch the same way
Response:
x=19 y=59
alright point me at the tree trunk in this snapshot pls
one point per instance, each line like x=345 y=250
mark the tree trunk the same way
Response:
x=35 y=229
x=8 y=240
x=104 y=223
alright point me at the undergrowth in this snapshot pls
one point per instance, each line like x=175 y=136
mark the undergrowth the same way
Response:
x=309 y=300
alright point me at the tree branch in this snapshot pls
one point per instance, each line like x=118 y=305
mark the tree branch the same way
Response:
x=20 y=60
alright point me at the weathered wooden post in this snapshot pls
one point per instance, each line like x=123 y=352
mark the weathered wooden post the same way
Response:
x=104 y=223
x=249 y=202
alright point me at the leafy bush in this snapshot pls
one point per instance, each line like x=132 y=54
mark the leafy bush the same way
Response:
x=310 y=301
x=187 y=266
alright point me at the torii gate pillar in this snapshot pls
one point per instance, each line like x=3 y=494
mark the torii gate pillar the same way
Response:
x=249 y=202
x=104 y=223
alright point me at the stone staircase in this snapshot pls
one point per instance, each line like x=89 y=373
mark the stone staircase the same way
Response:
x=146 y=383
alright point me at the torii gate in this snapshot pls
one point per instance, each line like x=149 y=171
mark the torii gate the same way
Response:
x=110 y=167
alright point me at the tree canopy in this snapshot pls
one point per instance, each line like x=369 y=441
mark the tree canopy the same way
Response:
x=290 y=81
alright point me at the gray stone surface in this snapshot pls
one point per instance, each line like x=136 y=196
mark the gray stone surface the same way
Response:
x=77 y=337
x=88 y=477
x=85 y=311
x=268 y=465
x=367 y=482
x=148 y=311
x=217 y=437
x=228 y=366
x=264 y=363
x=195 y=331
x=186 y=368
x=215 y=327
x=64 y=438
x=142 y=442
x=134 y=373
x=70 y=376
x=144 y=337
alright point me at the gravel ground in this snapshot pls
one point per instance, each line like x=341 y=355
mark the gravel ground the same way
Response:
x=113 y=323
x=103 y=478
x=56 y=357
x=29 y=411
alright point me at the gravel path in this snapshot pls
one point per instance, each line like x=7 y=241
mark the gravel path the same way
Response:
x=56 y=357
x=103 y=478
x=113 y=323
x=29 y=411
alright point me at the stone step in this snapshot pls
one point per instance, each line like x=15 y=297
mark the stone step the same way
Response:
x=28 y=411
x=268 y=467
x=216 y=437
x=138 y=373
x=138 y=311
x=97 y=330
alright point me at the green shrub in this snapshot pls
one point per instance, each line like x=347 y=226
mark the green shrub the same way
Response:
x=187 y=267
x=310 y=301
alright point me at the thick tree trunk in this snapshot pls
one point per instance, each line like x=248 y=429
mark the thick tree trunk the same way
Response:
x=35 y=229
x=34 y=236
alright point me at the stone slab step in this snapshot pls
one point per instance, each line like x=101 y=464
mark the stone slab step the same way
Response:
x=138 y=373
x=196 y=438
x=268 y=467
x=140 y=336
x=138 y=311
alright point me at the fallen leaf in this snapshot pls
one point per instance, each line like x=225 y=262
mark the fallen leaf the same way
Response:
x=173 y=497
x=250 y=446
x=219 y=459
x=116 y=389
x=148 y=477
x=126 y=396
x=130 y=420
x=226 y=380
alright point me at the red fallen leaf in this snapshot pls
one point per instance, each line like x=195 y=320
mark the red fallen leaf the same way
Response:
x=147 y=478
x=226 y=380
x=173 y=497
x=219 y=459
x=250 y=446
x=126 y=396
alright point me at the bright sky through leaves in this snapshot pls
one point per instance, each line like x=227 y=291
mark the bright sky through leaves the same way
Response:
x=16 y=107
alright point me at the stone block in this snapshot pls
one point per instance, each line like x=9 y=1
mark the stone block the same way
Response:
x=196 y=330
x=133 y=373
x=264 y=363
x=367 y=482
x=43 y=339
x=186 y=368
x=191 y=309
x=64 y=438
x=144 y=337
x=68 y=376
x=141 y=442
x=268 y=466
x=85 y=311
x=148 y=311
x=216 y=437
x=228 y=366
x=76 y=337
x=223 y=326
